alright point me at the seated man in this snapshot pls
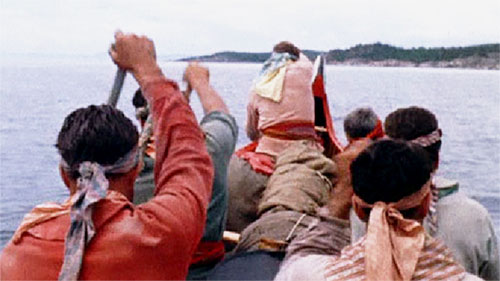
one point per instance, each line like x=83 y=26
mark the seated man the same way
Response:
x=221 y=132
x=361 y=127
x=295 y=206
x=462 y=223
x=279 y=113
x=298 y=188
x=362 y=123
x=98 y=233
x=391 y=181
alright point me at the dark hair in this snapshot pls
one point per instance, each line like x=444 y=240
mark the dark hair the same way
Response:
x=412 y=122
x=138 y=100
x=360 y=122
x=99 y=134
x=286 y=47
x=389 y=170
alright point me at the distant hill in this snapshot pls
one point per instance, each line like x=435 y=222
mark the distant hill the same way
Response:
x=486 y=56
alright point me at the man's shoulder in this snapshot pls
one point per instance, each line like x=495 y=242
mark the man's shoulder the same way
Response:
x=309 y=267
x=458 y=207
x=471 y=277
x=218 y=116
x=221 y=132
x=460 y=201
x=450 y=196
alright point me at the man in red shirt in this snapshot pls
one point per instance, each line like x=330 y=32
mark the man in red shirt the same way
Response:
x=98 y=233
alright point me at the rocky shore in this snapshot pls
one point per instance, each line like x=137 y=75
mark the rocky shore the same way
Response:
x=490 y=63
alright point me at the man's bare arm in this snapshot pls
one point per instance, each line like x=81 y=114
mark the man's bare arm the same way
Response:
x=197 y=77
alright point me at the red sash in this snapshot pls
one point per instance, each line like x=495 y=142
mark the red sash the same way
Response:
x=292 y=130
x=260 y=162
x=208 y=252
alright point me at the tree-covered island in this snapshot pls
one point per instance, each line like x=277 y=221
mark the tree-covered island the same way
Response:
x=485 y=56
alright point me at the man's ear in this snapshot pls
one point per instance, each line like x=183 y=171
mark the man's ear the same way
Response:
x=423 y=208
x=68 y=181
x=360 y=212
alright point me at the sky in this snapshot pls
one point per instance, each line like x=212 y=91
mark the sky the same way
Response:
x=195 y=27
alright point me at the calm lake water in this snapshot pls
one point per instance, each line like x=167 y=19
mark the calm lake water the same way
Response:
x=36 y=95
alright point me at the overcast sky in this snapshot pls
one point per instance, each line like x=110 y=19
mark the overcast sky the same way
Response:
x=193 y=27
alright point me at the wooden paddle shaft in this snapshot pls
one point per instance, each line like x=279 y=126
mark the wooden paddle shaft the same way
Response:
x=117 y=87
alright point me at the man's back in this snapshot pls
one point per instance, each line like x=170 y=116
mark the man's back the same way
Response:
x=351 y=265
x=296 y=106
x=474 y=246
x=153 y=241
x=132 y=243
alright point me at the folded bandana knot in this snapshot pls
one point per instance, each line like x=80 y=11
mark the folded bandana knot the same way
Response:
x=393 y=216
x=393 y=243
x=86 y=170
x=92 y=186
x=269 y=84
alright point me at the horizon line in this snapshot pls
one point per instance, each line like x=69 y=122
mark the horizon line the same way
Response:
x=178 y=55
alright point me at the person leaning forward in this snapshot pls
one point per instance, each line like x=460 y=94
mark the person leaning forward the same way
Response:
x=98 y=233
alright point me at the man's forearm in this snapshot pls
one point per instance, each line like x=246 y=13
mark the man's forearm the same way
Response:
x=179 y=140
x=252 y=123
x=210 y=99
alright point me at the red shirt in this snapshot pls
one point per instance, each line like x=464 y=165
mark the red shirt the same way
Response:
x=155 y=240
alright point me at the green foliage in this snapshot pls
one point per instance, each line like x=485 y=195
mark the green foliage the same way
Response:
x=379 y=52
x=369 y=52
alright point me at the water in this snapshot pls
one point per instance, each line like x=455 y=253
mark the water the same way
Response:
x=36 y=95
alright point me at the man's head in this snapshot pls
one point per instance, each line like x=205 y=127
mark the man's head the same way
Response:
x=100 y=134
x=138 y=100
x=141 y=107
x=389 y=170
x=287 y=47
x=412 y=123
x=360 y=123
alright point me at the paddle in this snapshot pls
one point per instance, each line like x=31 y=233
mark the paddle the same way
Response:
x=117 y=87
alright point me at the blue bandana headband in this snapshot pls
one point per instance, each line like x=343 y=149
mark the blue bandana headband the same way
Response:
x=92 y=186
x=275 y=61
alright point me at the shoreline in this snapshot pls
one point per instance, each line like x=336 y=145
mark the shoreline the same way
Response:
x=468 y=63
x=471 y=63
